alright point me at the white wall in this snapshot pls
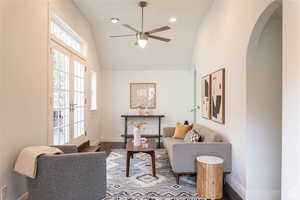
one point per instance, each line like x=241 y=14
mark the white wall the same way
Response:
x=264 y=113
x=174 y=98
x=1 y=85
x=291 y=99
x=25 y=78
x=222 y=42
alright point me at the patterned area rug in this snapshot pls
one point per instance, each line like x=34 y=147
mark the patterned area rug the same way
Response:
x=141 y=185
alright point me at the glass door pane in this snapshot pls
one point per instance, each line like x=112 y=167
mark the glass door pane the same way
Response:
x=60 y=97
x=79 y=99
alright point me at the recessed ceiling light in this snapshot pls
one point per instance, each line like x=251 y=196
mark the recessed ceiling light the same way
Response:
x=115 y=20
x=173 y=19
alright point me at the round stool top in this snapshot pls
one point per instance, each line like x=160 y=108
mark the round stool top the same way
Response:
x=211 y=160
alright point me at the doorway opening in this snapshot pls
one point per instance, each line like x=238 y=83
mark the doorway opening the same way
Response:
x=264 y=106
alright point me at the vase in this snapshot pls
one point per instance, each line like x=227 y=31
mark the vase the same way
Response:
x=136 y=136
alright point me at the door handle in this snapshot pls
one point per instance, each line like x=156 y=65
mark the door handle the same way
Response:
x=72 y=107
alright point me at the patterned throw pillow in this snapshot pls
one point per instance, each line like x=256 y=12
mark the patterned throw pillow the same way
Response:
x=192 y=136
x=188 y=136
x=196 y=137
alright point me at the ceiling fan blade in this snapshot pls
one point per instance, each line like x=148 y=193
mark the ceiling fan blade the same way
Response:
x=164 y=28
x=117 y=36
x=159 y=38
x=130 y=27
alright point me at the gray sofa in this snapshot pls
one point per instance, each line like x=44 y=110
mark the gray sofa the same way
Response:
x=70 y=176
x=182 y=155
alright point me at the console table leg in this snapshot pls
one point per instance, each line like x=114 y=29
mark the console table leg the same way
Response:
x=153 y=163
x=128 y=163
x=159 y=127
x=125 y=135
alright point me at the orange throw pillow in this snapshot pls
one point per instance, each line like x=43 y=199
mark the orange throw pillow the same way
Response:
x=181 y=130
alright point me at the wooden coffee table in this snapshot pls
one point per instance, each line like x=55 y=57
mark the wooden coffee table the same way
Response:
x=148 y=147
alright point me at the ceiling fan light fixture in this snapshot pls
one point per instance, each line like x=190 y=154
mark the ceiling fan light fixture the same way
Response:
x=142 y=43
x=141 y=35
x=173 y=19
x=115 y=20
x=142 y=40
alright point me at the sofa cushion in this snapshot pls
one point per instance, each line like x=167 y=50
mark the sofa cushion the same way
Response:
x=207 y=134
x=169 y=142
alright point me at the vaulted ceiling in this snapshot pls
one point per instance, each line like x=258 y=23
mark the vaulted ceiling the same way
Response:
x=121 y=53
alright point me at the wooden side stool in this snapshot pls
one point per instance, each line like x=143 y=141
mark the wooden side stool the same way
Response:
x=210 y=177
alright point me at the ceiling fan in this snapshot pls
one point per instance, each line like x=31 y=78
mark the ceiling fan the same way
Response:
x=141 y=36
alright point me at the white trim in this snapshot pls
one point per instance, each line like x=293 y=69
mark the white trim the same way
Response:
x=62 y=44
x=238 y=187
x=93 y=91
x=49 y=72
x=23 y=196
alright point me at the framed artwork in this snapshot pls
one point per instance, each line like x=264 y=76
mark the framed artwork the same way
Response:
x=142 y=95
x=218 y=96
x=206 y=96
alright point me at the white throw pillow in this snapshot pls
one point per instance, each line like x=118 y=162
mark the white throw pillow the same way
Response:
x=188 y=136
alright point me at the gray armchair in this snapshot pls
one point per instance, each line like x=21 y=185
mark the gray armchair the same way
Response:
x=70 y=176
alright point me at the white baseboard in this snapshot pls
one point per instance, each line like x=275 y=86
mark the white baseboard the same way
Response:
x=112 y=139
x=264 y=194
x=23 y=196
x=238 y=187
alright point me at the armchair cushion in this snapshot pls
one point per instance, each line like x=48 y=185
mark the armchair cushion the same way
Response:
x=67 y=148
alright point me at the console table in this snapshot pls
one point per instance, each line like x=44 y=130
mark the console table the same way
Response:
x=126 y=135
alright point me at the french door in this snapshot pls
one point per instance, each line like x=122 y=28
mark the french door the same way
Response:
x=67 y=97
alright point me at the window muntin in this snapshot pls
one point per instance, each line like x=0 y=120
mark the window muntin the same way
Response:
x=67 y=35
x=94 y=91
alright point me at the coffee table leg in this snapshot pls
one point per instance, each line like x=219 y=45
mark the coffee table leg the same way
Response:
x=128 y=163
x=153 y=163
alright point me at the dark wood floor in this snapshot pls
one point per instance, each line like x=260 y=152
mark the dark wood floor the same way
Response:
x=226 y=197
x=229 y=193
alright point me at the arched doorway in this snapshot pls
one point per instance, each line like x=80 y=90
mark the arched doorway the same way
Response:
x=264 y=106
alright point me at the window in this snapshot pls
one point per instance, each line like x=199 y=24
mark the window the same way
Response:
x=94 y=91
x=67 y=118
x=61 y=31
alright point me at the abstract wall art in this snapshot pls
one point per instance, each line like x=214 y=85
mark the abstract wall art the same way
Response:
x=142 y=95
x=218 y=96
x=206 y=97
